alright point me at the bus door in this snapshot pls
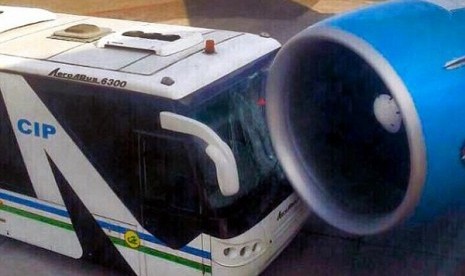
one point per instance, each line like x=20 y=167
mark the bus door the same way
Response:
x=170 y=203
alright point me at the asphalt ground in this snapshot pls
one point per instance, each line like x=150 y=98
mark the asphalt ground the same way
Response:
x=434 y=249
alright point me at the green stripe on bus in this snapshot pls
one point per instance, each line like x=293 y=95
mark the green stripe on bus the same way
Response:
x=117 y=241
x=33 y=216
x=166 y=256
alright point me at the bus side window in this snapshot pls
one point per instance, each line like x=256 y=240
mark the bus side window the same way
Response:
x=169 y=188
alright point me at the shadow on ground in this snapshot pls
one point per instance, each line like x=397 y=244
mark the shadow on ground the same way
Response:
x=282 y=19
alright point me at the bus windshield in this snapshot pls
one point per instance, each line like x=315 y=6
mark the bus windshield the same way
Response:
x=237 y=115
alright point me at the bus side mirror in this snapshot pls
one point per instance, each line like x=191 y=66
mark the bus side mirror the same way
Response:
x=217 y=149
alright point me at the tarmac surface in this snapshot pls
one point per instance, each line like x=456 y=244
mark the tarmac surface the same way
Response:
x=434 y=249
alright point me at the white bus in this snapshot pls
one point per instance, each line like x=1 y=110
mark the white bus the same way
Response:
x=131 y=145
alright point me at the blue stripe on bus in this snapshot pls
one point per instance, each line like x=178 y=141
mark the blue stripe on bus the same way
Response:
x=109 y=226
x=34 y=205
x=152 y=239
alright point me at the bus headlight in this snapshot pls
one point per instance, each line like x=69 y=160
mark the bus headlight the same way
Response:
x=239 y=254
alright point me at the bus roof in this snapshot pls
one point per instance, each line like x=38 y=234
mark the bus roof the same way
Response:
x=163 y=60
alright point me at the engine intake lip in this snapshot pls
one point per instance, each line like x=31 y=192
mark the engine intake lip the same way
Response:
x=289 y=153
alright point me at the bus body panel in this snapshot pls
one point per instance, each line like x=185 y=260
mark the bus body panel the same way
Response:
x=256 y=248
x=30 y=220
x=63 y=160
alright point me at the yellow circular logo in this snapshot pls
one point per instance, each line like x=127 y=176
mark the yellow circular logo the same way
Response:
x=132 y=239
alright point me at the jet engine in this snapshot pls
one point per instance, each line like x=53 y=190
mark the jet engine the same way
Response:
x=366 y=112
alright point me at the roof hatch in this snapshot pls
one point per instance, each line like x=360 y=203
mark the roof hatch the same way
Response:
x=81 y=33
x=15 y=17
x=163 y=44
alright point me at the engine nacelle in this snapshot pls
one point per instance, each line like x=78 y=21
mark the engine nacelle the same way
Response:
x=367 y=114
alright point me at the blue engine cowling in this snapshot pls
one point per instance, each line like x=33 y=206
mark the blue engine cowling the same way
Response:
x=367 y=114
